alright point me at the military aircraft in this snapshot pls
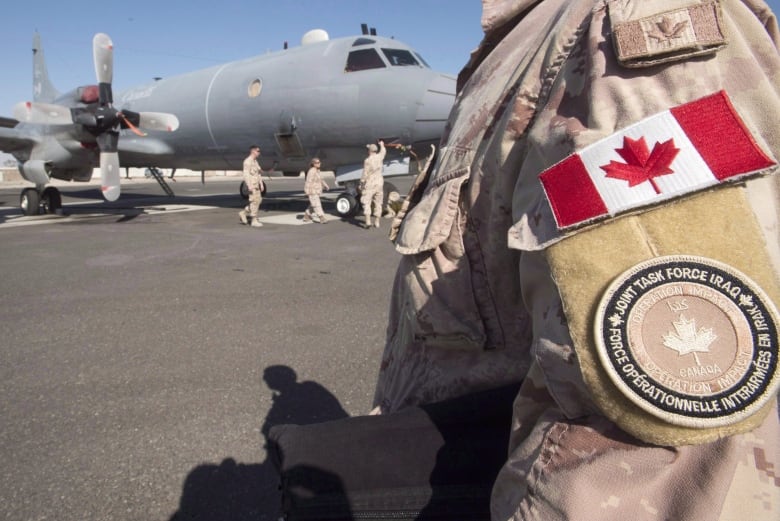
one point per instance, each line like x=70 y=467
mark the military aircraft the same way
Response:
x=326 y=98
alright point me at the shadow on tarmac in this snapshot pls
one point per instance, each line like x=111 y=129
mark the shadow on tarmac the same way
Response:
x=233 y=491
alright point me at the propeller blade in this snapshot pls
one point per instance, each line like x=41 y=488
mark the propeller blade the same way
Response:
x=43 y=113
x=108 y=141
x=158 y=121
x=109 y=175
x=103 y=55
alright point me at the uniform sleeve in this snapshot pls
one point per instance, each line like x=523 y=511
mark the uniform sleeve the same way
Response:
x=667 y=411
x=601 y=124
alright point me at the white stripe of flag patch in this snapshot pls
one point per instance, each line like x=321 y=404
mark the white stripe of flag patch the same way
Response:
x=679 y=151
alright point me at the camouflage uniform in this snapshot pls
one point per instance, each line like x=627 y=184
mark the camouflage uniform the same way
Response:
x=312 y=187
x=254 y=183
x=490 y=291
x=371 y=184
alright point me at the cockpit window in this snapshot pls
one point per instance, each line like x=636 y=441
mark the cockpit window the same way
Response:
x=363 y=41
x=400 y=57
x=422 y=60
x=363 y=59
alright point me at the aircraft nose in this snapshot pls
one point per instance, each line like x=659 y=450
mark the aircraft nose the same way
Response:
x=434 y=109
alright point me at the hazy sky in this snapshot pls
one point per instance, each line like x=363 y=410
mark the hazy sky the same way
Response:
x=168 y=37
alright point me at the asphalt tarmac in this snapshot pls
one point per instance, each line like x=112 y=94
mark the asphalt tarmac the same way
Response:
x=146 y=345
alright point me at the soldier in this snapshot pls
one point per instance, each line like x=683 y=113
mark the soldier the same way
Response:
x=581 y=232
x=371 y=184
x=394 y=203
x=254 y=183
x=313 y=187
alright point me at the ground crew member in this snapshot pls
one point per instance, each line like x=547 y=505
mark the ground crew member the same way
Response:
x=313 y=187
x=581 y=231
x=254 y=183
x=372 y=183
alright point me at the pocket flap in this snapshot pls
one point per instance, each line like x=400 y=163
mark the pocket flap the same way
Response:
x=429 y=223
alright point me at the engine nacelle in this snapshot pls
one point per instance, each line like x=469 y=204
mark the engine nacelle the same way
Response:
x=36 y=171
x=86 y=94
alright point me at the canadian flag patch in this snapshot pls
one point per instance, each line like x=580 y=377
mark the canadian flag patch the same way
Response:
x=682 y=150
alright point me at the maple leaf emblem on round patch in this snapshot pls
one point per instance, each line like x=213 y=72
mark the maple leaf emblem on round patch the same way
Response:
x=641 y=164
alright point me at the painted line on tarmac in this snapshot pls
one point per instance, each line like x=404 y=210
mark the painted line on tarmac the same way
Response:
x=12 y=221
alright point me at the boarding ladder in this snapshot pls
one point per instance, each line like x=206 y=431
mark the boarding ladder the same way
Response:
x=160 y=179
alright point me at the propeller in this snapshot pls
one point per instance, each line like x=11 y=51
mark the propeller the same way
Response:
x=102 y=120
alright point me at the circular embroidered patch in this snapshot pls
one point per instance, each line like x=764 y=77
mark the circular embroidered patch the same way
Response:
x=690 y=340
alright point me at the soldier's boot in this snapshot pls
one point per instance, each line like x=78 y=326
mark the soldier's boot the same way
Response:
x=323 y=220
x=376 y=222
x=306 y=216
x=367 y=223
x=242 y=216
x=256 y=223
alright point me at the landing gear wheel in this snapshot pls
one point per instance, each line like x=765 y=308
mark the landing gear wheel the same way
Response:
x=51 y=200
x=346 y=205
x=30 y=201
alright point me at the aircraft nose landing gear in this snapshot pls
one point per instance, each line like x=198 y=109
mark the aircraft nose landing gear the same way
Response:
x=346 y=205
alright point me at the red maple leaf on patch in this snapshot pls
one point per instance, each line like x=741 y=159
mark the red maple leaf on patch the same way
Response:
x=640 y=163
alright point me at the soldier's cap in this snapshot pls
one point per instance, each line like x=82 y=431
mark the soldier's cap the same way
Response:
x=372 y=147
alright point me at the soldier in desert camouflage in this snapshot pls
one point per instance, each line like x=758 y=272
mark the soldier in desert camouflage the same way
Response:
x=601 y=223
x=312 y=187
x=371 y=184
x=254 y=183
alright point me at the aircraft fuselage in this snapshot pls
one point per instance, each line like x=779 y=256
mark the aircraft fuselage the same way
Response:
x=316 y=99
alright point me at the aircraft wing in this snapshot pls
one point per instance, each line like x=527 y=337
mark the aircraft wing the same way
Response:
x=8 y=122
x=12 y=140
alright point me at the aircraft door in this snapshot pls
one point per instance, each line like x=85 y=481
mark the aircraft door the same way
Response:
x=235 y=112
x=287 y=138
